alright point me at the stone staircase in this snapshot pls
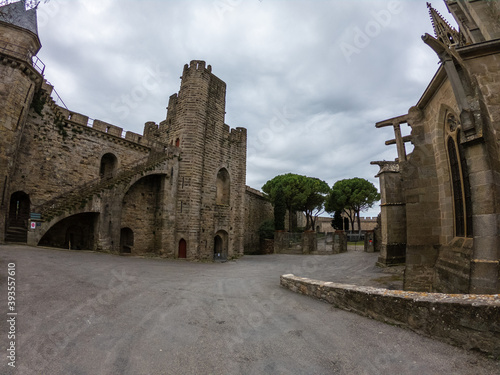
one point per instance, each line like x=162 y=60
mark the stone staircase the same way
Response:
x=16 y=234
x=78 y=197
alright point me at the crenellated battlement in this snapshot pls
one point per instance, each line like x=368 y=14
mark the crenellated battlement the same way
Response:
x=148 y=139
x=238 y=135
x=197 y=69
x=196 y=66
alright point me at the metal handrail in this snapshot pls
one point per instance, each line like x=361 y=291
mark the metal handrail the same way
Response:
x=58 y=98
x=38 y=64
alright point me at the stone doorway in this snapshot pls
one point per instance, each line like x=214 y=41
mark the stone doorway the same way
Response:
x=19 y=214
x=109 y=163
x=75 y=238
x=126 y=240
x=220 y=246
x=182 y=249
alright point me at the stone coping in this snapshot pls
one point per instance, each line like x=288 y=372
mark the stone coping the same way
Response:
x=489 y=299
x=470 y=321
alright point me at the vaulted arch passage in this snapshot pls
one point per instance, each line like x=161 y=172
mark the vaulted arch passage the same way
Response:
x=75 y=232
x=142 y=213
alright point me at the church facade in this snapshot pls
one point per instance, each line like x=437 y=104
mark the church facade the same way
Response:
x=440 y=207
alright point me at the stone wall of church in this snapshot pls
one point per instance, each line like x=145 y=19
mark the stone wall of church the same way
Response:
x=428 y=195
x=438 y=259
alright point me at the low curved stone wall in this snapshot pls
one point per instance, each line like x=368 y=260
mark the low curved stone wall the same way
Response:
x=466 y=320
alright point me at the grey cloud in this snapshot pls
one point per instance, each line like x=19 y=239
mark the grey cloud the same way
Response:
x=308 y=108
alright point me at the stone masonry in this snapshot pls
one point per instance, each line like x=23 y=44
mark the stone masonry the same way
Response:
x=431 y=314
x=178 y=190
x=440 y=211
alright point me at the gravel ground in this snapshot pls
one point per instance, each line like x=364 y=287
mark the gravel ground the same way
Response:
x=92 y=313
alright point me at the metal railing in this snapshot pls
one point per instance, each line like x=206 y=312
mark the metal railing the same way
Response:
x=57 y=99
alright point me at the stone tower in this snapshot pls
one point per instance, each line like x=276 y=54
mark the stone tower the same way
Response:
x=211 y=179
x=20 y=77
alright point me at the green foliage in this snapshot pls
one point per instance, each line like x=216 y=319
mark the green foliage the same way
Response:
x=352 y=196
x=279 y=212
x=266 y=230
x=38 y=102
x=338 y=220
x=297 y=193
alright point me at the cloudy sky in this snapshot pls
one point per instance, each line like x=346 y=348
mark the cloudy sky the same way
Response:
x=308 y=79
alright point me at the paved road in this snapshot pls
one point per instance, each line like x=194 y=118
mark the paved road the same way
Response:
x=90 y=313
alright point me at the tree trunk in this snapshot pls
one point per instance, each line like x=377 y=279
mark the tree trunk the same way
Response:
x=351 y=219
x=359 y=221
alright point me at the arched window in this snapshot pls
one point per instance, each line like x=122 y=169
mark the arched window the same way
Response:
x=462 y=203
x=177 y=142
x=108 y=165
x=223 y=186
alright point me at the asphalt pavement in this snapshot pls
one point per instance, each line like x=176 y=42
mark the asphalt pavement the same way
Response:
x=82 y=313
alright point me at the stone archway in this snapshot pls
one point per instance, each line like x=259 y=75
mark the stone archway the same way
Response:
x=74 y=232
x=220 y=246
x=182 y=249
x=126 y=240
x=19 y=214
x=108 y=166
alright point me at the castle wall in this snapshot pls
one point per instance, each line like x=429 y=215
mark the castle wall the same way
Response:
x=325 y=224
x=18 y=83
x=257 y=210
x=55 y=156
x=68 y=164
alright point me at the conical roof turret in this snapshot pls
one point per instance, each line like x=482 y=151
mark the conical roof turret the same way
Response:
x=17 y=14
